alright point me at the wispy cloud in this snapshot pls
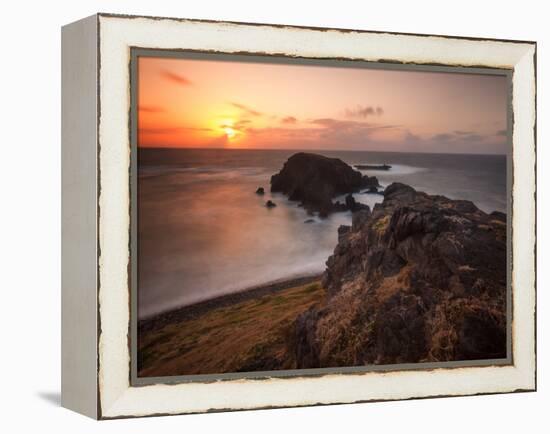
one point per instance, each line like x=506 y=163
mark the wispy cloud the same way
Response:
x=350 y=132
x=363 y=112
x=150 y=109
x=176 y=78
x=248 y=110
x=338 y=124
x=170 y=130
x=289 y=120
x=241 y=124
x=458 y=137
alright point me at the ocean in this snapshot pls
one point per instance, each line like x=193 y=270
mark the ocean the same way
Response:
x=203 y=232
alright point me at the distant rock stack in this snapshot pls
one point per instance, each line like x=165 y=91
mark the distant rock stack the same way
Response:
x=314 y=180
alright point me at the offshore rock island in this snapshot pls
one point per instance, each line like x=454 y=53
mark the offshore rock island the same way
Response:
x=314 y=180
x=418 y=278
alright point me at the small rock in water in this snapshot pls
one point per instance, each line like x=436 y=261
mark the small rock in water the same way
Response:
x=260 y=190
x=309 y=221
x=373 y=190
x=353 y=205
x=270 y=204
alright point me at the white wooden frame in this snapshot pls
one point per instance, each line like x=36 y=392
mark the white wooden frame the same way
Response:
x=96 y=218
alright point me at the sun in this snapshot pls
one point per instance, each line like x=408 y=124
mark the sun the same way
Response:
x=229 y=132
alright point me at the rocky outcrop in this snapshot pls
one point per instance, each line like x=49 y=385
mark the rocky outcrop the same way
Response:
x=314 y=180
x=373 y=166
x=421 y=278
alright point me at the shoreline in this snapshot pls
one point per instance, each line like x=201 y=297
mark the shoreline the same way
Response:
x=196 y=309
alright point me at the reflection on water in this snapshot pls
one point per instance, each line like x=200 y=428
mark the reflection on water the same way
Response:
x=203 y=231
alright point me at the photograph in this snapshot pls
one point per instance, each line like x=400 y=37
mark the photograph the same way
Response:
x=295 y=214
x=252 y=217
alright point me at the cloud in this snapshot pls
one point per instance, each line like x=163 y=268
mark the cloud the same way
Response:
x=458 y=137
x=150 y=109
x=169 y=130
x=176 y=78
x=241 y=124
x=289 y=120
x=325 y=133
x=411 y=138
x=246 y=109
x=443 y=137
x=363 y=112
x=462 y=141
x=337 y=124
x=328 y=133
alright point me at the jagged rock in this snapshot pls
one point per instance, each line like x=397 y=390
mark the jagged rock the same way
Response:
x=260 y=191
x=270 y=204
x=314 y=180
x=497 y=215
x=343 y=230
x=353 y=205
x=359 y=218
x=420 y=278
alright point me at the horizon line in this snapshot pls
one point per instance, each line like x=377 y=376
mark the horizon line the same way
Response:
x=316 y=150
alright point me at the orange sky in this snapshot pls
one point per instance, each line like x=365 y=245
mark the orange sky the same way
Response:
x=221 y=104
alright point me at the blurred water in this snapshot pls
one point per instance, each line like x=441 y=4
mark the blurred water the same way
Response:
x=203 y=232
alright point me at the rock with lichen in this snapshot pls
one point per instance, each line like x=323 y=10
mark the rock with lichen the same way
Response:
x=420 y=278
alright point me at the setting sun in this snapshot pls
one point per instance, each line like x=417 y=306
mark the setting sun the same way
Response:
x=229 y=132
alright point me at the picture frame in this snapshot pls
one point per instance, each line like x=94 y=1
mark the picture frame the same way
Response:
x=99 y=231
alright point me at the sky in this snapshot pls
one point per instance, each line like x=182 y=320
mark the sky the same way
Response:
x=189 y=103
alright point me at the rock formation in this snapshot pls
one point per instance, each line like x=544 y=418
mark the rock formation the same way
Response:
x=421 y=278
x=314 y=180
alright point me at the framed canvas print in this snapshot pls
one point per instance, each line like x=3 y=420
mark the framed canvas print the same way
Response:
x=260 y=216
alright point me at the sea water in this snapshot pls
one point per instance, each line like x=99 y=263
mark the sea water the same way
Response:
x=203 y=232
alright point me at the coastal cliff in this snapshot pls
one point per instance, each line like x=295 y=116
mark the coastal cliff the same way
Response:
x=421 y=278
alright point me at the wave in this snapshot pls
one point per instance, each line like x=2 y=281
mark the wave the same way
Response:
x=203 y=173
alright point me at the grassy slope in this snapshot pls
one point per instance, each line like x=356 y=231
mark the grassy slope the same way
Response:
x=250 y=335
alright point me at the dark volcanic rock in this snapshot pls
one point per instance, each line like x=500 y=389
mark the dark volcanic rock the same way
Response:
x=260 y=191
x=353 y=205
x=270 y=204
x=343 y=230
x=359 y=218
x=314 y=180
x=421 y=278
